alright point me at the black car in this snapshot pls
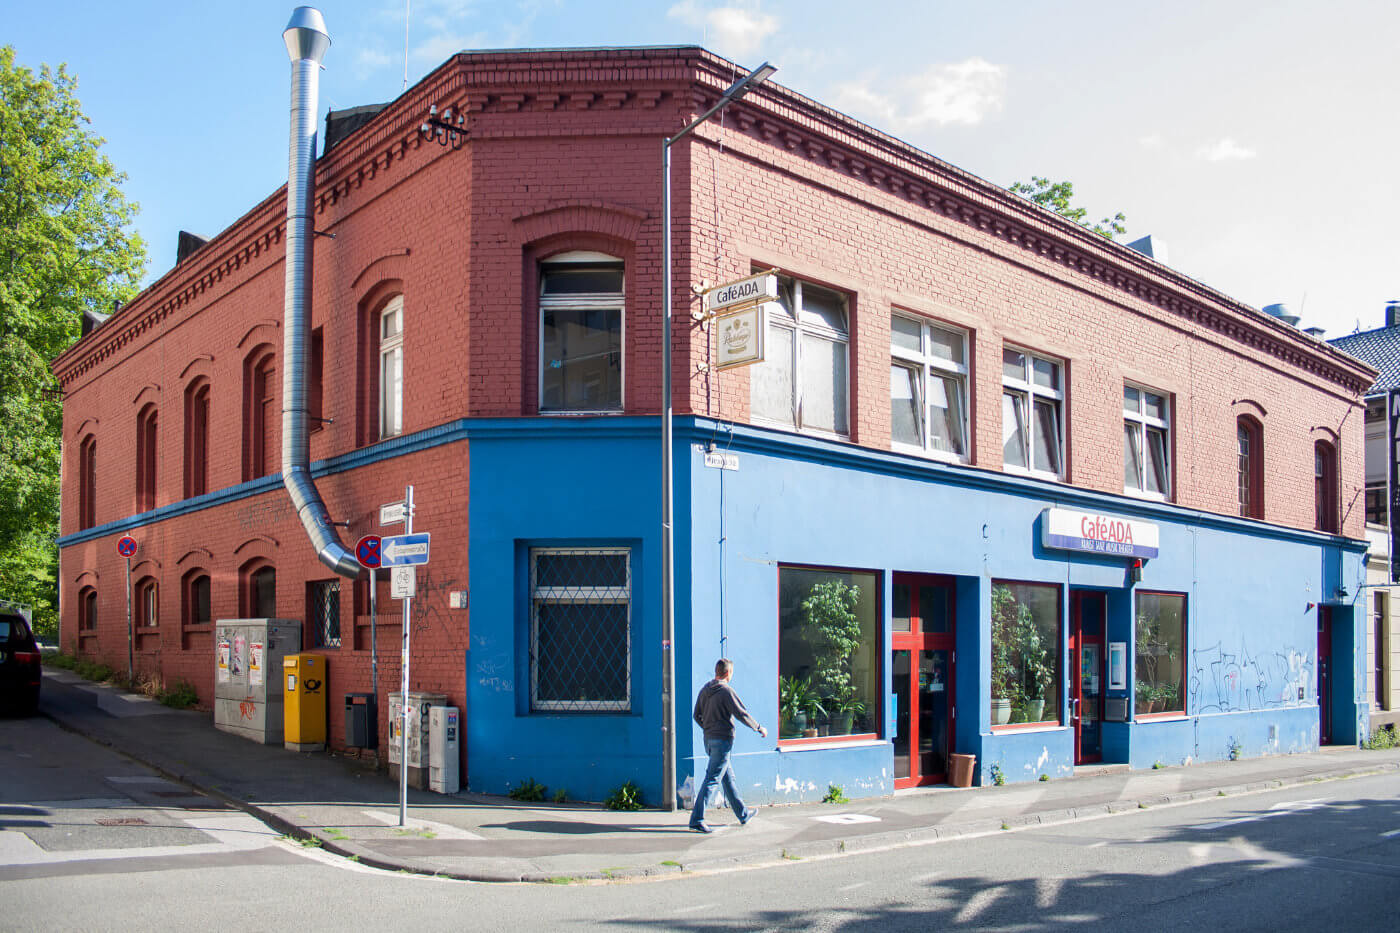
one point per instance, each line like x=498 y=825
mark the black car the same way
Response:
x=20 y=674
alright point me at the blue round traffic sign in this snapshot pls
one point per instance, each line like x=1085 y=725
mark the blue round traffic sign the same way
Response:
x=367 y=552
x=126 y=546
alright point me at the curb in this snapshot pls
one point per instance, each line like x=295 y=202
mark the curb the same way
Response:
x=831 y=848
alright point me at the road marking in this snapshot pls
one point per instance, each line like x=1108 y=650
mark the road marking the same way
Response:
x=847 y=818
x=852 y=887
x=1098 y=845
x=238 y=832
x=692 y=909
x=922 y=878
x=1393 y=832
x=1279 y=809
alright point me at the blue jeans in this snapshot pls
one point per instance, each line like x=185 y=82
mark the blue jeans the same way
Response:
x=719 y=770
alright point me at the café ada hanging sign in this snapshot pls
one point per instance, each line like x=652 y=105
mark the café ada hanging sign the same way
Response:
x=738 y=312
x=1098 y=533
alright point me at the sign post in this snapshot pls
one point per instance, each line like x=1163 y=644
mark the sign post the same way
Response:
x=367 y=552
x=126 y=547
x=403 y=668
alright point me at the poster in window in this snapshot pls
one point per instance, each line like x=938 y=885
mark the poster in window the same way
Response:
x=1118 y=665
x=255 y=663
x=223 y=655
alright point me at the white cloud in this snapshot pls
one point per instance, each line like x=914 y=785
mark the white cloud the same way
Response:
x=737 y=29
x=367 y=60
x=960 y=92
x=439 y=48
x=1151 y=141
x=1226 y=150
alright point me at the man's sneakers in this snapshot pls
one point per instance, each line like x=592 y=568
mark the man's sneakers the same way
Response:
x=701 y=828
x=748 y=815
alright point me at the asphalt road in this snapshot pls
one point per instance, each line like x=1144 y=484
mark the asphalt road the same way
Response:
x=92 y=841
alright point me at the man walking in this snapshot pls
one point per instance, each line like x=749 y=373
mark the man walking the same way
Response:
x=715 y=709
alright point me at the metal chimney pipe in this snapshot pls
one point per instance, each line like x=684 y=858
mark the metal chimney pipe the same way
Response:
x=307 y=43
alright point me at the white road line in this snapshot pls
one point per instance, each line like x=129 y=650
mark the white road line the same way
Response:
x=692 y=909
x=1393 y=832
x=852 y=887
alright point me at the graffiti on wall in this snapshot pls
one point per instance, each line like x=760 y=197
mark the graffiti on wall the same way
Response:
x=1222 y=682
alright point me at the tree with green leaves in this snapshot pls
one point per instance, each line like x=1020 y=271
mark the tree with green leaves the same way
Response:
x=65 y=247
x=1058 y=196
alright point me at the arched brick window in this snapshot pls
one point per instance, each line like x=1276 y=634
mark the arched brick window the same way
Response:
x=197 y=438
x=1249 y=435
x=260 y=415
x=147 y=603
x=257 y=590
x=147 y=423
x=87 y=609
x=1325 y=491
x=87 y=482
x=381 y=399
x=195 y=602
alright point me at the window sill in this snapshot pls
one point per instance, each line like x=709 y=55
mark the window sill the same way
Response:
x=864 y=740
x=1177 y=716
x=927 y=454
x=1033 y=474
x=1047 y=726
x=582 y=413
x=1148 y=496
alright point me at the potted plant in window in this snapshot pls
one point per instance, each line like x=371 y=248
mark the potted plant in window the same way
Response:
x=1144 y=696
x=1005 y=690
x=833 y=629
x=795 y=694
x=1035 y=664
x=812 y=706
x=845 y=709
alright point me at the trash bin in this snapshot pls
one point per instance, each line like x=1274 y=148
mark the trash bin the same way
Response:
x=960 y=768
x=361 y=721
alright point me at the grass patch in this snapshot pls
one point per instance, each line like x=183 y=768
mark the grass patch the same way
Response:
x=835 y=793
x=1384 y=737
x=562 y=879
x=1044 y=777
x=531 y=791
x=310 y=842
x=561 y=795
x=179 y=696
x=672 y=863
x=790 y=857
x=626 y=797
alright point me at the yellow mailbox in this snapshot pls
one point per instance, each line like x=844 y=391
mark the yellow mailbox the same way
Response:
x=304 y=701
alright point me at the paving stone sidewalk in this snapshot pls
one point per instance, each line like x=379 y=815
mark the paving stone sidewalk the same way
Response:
x=352 y=809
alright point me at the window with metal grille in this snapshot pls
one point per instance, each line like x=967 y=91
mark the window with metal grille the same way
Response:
x=323 y=613
x=580 y=629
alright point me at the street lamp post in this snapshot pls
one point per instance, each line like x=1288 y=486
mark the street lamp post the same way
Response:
x=668 y=555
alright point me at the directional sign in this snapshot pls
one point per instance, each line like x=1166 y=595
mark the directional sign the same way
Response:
x=126 y=546
x=392 y=514
x=403 y=550
x=367 y=551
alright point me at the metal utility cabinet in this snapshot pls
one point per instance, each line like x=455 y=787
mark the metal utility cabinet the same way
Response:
x=248 y=655
x=444 y=763
x=418 y=754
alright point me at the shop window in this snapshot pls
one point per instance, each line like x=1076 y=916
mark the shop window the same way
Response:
x=197 y=438
x=581 y=317
x=1325 y=492
x=580 y=629
x=257 y=596
x=928 y=388
x=1376 y=513
x=87 y=482
x=146 y=430
x=828 y=640
x=1032 y=413
x=1250 y=437
x=1146 y=442
x=1026 y=636
x=87 y=609
x=147 y=603
x=390 y=364
x=323 y=613
x=802 y=382
x=260 y=415
x=1160 y=654
x=195 y=598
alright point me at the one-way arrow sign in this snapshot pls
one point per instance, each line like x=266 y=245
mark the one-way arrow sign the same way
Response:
x=403 y=550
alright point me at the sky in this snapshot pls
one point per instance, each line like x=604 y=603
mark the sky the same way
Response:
x=1256 y=139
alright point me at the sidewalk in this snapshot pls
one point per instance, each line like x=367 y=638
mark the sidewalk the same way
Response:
x=353 y=811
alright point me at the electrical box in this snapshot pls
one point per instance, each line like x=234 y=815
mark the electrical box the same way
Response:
x=419 y=704
x=361 y=721
x=444 y=757
x=304 y=700
x=1115 y=709
x=248 y=657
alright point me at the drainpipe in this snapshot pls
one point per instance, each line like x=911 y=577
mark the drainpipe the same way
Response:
x=307 y=43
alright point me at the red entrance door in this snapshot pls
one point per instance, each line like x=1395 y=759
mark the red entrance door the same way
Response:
x=1324 y=675
x=922 y=617
x=1086 y=681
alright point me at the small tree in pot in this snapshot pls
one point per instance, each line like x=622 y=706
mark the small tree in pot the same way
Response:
x=833 y=629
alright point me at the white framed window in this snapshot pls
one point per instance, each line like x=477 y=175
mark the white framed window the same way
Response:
x=391 y=368
x=1146 y=442
x=928 y=388
x=803 y=381
x=580 y=629
x=1032 y=413
x=582 y=300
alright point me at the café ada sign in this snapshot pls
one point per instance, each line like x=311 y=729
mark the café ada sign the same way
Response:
x=1098 y=533
x=737 y=309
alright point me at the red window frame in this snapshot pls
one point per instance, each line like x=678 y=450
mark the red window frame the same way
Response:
x=1249 y=434
x=878 y=651
x=1185 y=682
x=87 y=482
x=1060 y=664
x=197 y=439
x=1325 y=492
x=189 y=598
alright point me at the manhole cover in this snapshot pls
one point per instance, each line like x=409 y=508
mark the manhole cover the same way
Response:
x=121 y=821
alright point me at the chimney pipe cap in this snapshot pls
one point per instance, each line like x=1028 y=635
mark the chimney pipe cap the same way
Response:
x=306 y=35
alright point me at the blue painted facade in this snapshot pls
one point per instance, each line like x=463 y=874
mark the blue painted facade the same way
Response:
x=1253 y=593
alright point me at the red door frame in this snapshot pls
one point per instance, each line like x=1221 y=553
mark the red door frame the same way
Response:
x=914 y=641
x=1077 y=640
x=1324 y=675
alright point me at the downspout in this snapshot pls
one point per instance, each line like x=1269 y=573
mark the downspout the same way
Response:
x=307 y=43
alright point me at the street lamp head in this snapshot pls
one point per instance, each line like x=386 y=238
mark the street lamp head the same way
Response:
x=750 y=81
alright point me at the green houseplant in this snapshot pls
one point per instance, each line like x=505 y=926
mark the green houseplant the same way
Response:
x=845 y=710
x=1005 y=690
x=833 y=630
x=795 y=696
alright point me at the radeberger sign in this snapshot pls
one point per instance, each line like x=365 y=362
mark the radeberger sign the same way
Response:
x=1097 y=533
x=740 y=337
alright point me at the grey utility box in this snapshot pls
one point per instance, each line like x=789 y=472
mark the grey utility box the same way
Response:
x=248 y=657
x=444 y=761
x=418 y=756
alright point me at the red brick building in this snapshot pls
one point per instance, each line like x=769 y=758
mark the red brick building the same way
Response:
x=947 y=367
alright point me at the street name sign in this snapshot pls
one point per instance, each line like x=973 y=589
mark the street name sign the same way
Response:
x=404 y=550
x=392 y=514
